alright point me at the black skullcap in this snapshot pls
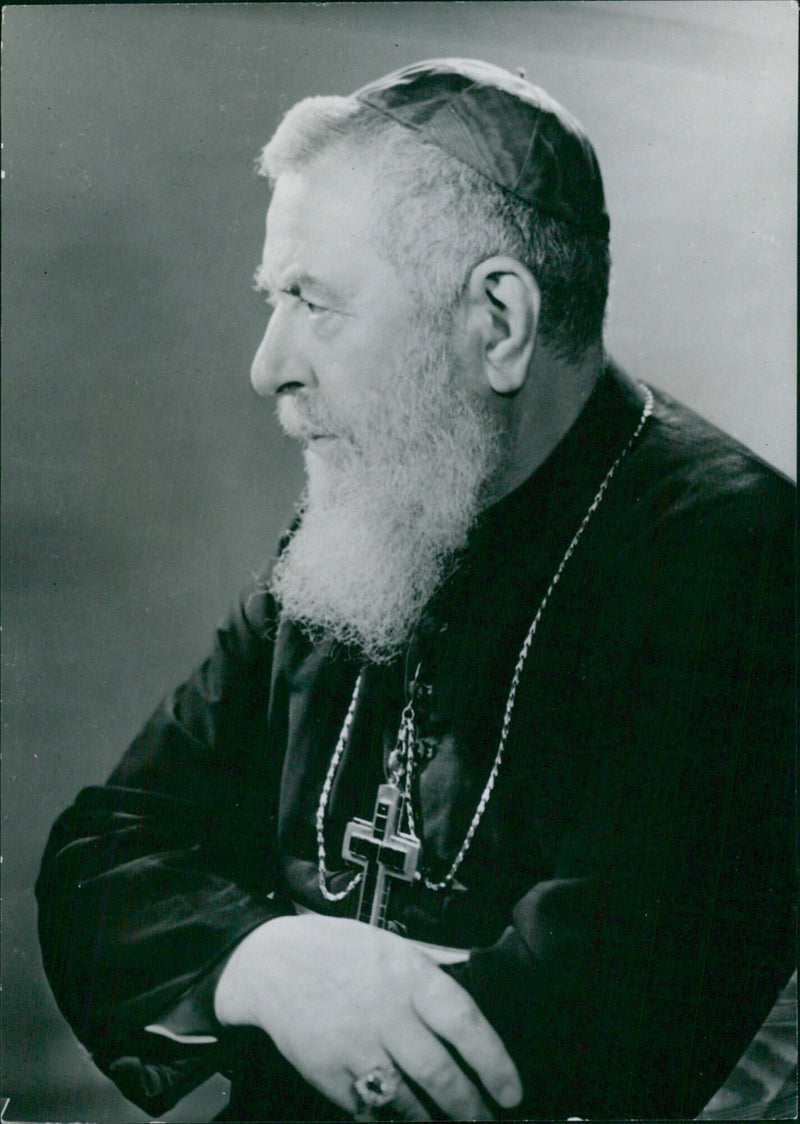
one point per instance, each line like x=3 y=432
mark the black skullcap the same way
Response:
x=502 y=126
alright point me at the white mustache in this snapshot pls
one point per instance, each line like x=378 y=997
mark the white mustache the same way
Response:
x=302 y=421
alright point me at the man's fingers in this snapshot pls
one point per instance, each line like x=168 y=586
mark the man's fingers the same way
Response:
x=432 y=1069
x=449 y=1011
x=407 y=1107
x=404 y=1106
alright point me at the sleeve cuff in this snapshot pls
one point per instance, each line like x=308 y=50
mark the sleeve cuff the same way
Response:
x=191 y=1021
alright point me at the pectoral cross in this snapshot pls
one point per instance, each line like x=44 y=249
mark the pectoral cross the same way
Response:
x=384 y=853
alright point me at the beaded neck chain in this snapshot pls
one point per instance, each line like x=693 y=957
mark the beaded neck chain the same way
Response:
x=403 y=755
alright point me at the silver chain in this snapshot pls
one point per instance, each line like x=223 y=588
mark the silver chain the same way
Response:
x=344 y=737
x=405 y=733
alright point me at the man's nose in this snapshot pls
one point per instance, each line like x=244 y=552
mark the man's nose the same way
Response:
x=279 y=363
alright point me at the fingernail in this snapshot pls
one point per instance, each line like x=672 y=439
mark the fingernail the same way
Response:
x=510 y=1094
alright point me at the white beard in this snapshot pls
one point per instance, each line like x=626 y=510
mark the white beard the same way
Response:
x=388 y=506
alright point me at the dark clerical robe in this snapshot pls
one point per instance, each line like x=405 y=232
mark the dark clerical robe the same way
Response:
x=627 y=897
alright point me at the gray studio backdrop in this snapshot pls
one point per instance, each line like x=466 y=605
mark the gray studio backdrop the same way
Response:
x=142 y=478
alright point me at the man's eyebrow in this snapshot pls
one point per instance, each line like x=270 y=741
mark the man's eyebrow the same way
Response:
x=262 y=279
x=265 y=281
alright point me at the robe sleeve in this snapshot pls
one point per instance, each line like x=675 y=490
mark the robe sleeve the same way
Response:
x=149 y=881
x=629 y=983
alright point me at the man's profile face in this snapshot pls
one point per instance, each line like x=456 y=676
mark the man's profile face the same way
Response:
x=399 y=444
x=341 y=312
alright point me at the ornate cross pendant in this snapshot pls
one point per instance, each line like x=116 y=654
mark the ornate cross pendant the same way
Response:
x=383 y=852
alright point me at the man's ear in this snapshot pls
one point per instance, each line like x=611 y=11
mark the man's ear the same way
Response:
x=502 y=316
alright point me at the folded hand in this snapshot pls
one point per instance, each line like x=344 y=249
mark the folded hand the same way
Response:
x=339 y=998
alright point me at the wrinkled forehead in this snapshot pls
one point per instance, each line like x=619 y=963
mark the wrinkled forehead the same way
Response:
x=321 y=228
x=328 y=203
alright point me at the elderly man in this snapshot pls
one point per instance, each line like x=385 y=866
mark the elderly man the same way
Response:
x=481 y=804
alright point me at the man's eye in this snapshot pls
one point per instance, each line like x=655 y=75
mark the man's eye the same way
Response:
x=272 y=297
x=295 y=292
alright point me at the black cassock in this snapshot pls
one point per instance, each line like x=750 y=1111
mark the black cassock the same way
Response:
x=628 y=894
